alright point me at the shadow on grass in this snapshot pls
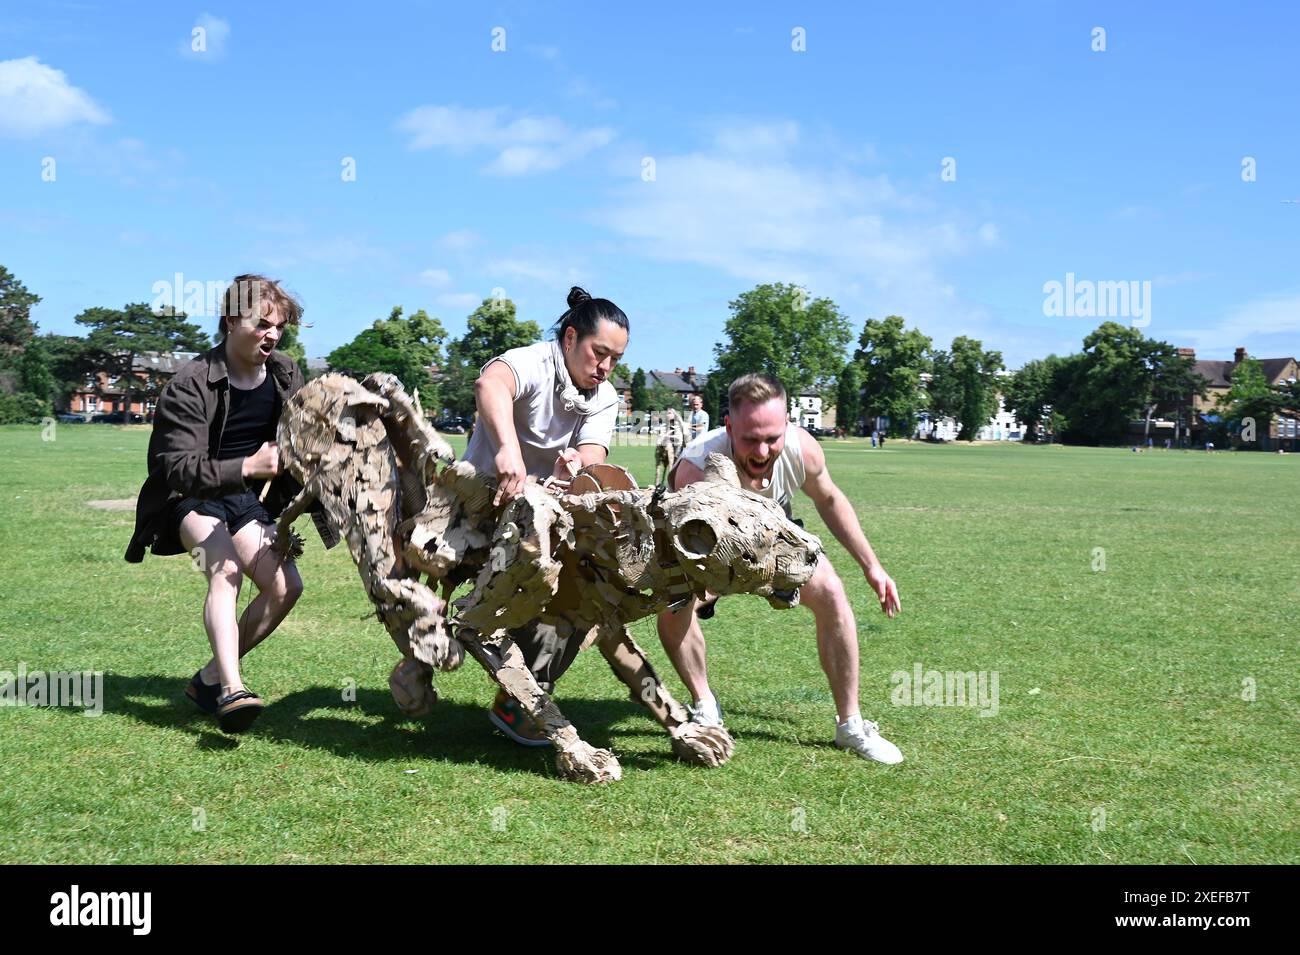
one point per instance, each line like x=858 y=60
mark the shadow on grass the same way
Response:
x=373 y=729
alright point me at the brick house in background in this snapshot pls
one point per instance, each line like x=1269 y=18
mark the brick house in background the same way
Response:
x=683 y=383
x=1201 y=414
x=103 y=393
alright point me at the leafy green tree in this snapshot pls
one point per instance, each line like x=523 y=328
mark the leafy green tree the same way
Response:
x=34 y=371
x=711 y=395
x=405 y=347
x=1250 y=396
x=293 y=348
x=890 y=362
x=69 y=360
x=1120 y=375
x=660 y=397
x=965 y=385
x=491 y=329
x=1028 y=394
x=1289 y=396
x=16 y=326
x=775 y=329
x=22 y=408
x=639 y=395
x=118 y=336
x=848 y=398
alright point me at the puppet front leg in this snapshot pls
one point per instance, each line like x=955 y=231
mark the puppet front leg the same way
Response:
x=288 y=544
x=576 y=760
x=702 y=745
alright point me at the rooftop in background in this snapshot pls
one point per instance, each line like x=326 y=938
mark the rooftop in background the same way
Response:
x=1219 y=373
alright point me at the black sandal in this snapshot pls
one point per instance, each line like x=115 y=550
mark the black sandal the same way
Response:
x=204 y=695
x=237 y=711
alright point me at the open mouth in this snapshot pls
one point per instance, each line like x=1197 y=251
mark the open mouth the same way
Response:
x=266 y=348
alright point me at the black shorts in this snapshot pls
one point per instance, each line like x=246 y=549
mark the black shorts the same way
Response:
x=236 y=511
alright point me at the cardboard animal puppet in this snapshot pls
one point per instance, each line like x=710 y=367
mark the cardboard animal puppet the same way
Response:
x=582 y=565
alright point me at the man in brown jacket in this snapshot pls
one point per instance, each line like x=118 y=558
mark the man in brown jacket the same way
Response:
x=210 y=456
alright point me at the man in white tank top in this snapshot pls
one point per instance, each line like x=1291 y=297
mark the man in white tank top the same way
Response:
x=774 y=458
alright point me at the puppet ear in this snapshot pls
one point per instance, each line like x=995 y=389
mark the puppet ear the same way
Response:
x=719 y=467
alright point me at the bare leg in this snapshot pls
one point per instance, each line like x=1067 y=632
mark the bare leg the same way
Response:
x=683 y=641
x=837 y=635
x=209 y=543
x=278 y=583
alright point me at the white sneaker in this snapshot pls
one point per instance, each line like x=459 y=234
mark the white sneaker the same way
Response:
x=863 y=737
x=706 y=713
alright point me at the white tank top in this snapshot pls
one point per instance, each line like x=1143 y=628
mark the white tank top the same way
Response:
x=788 y=473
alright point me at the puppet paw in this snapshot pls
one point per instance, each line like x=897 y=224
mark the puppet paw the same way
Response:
x=702 y=745
x=411 y=684
x=583 y=763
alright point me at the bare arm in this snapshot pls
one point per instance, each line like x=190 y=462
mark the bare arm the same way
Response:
x=494 y=394
x=836 y=510
x=592 y=454
x=683 y=474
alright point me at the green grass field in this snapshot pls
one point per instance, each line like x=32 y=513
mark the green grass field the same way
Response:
x=1121 y=734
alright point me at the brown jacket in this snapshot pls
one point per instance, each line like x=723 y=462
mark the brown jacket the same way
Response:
x=183 y=449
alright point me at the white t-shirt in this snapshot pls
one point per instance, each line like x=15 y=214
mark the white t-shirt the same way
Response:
x=788 y=473
x=543 y=425
x=699 y=422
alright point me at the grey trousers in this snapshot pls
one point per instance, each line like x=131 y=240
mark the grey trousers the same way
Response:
x=547 y=654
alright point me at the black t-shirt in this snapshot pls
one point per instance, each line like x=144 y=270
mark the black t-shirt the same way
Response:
x=250 y=421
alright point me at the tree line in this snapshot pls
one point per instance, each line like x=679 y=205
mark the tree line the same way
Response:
x=40 y=372
x=895 y=372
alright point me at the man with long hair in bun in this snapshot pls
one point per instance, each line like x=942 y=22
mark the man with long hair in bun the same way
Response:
x=546 y=410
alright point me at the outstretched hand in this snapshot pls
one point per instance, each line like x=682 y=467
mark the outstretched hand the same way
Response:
x=886 y=590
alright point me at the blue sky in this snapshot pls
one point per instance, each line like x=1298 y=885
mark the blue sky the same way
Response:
x=523 y=169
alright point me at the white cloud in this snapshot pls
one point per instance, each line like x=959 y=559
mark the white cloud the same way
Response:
x=770 y=220
x=435 y=278
x=1267 y=327
x=545 y=273
x=459 y=300
x=37 y=99
x=763 y=204
x=207 y=39
x=748 y=139
x=523 y=145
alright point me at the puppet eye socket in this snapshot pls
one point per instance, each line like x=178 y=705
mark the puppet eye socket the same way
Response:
x=696 y=539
